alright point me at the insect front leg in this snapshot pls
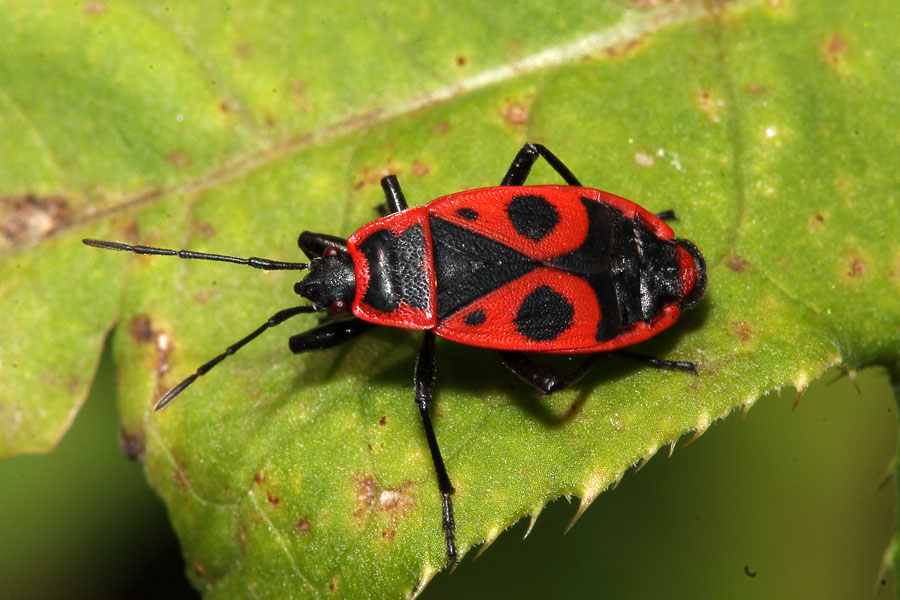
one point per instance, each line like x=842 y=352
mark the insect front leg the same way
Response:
x=424 y=384
x=541 y=378
x=329 y=335
x=525 y=159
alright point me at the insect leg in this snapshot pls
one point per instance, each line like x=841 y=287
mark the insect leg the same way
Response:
x=396 y=201
x=541 y=378
x=659 y=363
x=280 y=317
x=525 y=159
x=424 y=384
x=667 y=215
x=329 y=335
x=314 y=244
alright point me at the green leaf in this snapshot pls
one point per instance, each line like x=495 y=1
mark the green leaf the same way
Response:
x=768 y=126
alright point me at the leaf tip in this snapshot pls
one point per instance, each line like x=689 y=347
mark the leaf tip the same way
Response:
x=746 y=405
x=851 y=375
x=535 y=513
x=427 y=574
x=644 y=459
x=700 y=428
x=595 y=484
x=488 y=540
x=801 y=383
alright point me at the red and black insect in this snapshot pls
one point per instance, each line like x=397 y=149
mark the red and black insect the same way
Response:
x=550 y=268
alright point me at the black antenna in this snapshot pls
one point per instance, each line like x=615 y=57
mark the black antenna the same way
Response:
x=280 y=317
x=253 y=261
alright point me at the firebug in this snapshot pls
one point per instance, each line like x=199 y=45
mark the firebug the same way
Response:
x=560 y=269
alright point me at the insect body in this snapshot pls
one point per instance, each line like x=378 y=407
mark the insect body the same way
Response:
x=550 y=269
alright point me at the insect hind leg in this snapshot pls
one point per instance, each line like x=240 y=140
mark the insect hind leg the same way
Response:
x=659 y=363
x=424 y=385
x=521 y=166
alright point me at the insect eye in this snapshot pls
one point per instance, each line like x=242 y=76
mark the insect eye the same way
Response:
x=330 y=252
x=338 y=306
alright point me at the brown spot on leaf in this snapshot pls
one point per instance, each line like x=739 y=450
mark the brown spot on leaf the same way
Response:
x=834 y=48
x=258 y=477
x=131 y=231
x=388 y=535
x=200 y=570
x=180 y=478
x=856 y=267
x=180 y=159
x=736 y=263
x=710 y=104
x=366 y=491
x=371 y=176
x=816 y=221
x=383 y=420
x=302 y=526
x=203 y=228
x=755 y=89
x=73 y=384
x=140 y=329
x=396 y=503
x=94 y=8
x=420 y=169
x=460 y=60
x=441 y=127
x=515 y=113
x=242 y=50
x=272 y=498
x=30 y=217
x=132 y=444
x=202 y=296
x=625 y=48
x=741 y=330
x=334 y=583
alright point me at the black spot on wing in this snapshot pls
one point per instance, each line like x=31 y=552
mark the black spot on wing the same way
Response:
x=469 y=214
x=532 y=216
x=544 y=314
x=475 y=318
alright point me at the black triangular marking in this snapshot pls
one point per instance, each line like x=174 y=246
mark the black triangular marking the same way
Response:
x=468 y=265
